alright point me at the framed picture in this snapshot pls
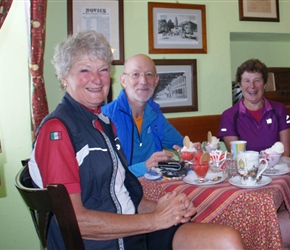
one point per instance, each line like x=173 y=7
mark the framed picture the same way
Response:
x=177 y=88
x=176 y=28
x=270 y=84
x=253 y=10
x=103 y=16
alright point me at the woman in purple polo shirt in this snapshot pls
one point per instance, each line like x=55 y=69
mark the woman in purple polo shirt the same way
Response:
x=258 y=121
x=255 y=119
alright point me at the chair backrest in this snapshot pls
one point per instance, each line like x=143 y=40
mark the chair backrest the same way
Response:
x=45 y=202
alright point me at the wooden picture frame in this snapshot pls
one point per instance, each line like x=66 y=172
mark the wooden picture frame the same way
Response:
x=270 y=84
x=177 y=87
x=263 y=11
x=282 y=86
x=176 y=28
x=83 y=15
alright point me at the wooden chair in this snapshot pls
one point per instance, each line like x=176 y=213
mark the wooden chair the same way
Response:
x=45 y=202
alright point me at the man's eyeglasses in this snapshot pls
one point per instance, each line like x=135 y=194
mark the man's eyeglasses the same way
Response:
x=136 y=75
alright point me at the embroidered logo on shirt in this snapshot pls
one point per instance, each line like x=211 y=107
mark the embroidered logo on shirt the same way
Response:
x=269 y=121
x=54 y=136
x=224 y=129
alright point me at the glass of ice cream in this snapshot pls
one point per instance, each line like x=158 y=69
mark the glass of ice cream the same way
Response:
x=213 y=144
x=273 y=156
x=187 y=153
x=201 y=170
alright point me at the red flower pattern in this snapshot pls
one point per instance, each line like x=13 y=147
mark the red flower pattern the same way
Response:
x=253 y=212
x=38 y=98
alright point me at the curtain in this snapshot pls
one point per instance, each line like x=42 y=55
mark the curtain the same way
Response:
x=4 y=9
x=39 y=106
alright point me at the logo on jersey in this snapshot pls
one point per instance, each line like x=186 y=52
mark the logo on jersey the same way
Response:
x=54 y=136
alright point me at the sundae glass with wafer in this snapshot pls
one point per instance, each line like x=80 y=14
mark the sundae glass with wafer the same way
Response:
x=212 y=143
x=201 y=166
x=188 y=151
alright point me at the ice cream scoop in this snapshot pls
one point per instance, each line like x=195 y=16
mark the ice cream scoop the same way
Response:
x=191 y=148
x=277 y=148
x=188 y=151
x=212 y=143
x=188 y=146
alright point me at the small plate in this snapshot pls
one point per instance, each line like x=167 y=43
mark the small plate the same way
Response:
x=236 y=181
x=285 y=159
x=152 y=176
x=282 y=169
x=191 y=178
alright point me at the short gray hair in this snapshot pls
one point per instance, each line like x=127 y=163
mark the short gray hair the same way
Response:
x=78 y=45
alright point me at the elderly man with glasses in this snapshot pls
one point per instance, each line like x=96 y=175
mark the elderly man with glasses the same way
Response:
x=142 y=128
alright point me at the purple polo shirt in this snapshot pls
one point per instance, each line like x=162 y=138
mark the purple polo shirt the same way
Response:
x=236 y=121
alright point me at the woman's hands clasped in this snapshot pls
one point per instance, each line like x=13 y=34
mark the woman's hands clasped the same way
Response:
x=173 y=208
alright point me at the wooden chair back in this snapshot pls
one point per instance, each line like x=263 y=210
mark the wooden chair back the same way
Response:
x=43 y=203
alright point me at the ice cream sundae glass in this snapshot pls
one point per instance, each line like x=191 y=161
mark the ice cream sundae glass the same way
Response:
x=188 y=151
x=273 y=155
x=201 y=166
x=218 y=160
x=212 y=143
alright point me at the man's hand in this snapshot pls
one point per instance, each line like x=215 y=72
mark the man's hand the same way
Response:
x=158 y=157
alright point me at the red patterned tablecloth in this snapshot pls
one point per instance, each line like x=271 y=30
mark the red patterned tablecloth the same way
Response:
x=253 y=212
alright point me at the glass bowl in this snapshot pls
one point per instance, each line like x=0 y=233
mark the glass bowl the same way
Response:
x=207 y=147
x=200 y=170
x=273 y=159
x=216 y=167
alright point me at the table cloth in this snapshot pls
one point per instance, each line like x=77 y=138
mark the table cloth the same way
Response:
x=253 y=212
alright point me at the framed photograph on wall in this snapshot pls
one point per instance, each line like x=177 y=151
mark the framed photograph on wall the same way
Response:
x=177 y=88
x=103 y=16
x=176 y=28
x=253 y=10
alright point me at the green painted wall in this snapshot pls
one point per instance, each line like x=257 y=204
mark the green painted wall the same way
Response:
x=215 y=71
x=272 y=53
x=16 y=230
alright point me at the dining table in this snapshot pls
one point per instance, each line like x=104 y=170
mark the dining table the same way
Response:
x=251 y=211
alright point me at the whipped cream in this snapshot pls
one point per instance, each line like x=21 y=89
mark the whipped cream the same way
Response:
x=190 y=149
x=277 y=148
x=214 y=141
